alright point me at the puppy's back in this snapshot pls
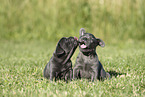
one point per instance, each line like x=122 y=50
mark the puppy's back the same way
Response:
x=46 y=72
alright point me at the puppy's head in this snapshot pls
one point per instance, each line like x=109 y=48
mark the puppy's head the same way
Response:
x=65 y=45
x=88 y=42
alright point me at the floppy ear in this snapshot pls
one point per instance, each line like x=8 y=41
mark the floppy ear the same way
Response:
x=82 y=31
x=100 y=42
x=59 y=51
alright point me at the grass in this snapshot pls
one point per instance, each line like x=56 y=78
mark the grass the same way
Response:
x=22 y=64
x=35 y=26
x=42 y=19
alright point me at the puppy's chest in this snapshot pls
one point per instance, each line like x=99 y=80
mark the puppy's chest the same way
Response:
x=88 y=62
x=89 y=59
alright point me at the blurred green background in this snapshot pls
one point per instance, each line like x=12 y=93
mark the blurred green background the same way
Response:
x=111 y=20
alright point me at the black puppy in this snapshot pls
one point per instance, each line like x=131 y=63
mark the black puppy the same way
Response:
x=87 y=63
x=60 y=65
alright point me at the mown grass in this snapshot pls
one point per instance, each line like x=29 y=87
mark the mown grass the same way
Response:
x=22 y=64
x=30 y=29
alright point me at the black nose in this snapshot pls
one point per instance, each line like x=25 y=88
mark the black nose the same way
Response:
x=81 y=42
x=76 y=38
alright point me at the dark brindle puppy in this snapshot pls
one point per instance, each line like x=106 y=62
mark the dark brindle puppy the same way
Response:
x=87 y=63
x=60 y=65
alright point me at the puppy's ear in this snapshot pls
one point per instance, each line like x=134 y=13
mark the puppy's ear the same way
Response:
x=82 y=31
x=59 y=51
x=100 y=42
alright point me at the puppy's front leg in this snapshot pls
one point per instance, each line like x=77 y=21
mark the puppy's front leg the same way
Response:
x=52 y=75
x=75 y=73
x=93 y=76
x=70 y=74
x=66 y=79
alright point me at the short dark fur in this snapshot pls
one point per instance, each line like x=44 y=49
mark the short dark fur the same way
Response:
x=87 y=63
x=60 y=65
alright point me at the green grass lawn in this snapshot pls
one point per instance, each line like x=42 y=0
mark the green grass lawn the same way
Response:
x=22 y=64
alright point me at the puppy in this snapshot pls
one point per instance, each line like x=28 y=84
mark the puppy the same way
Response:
x=87 y=63
x=60 y=65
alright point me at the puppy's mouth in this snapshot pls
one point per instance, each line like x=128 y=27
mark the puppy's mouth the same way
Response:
x=85 y=48
x=82 y=45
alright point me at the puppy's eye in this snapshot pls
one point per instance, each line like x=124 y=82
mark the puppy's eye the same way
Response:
x=66 y=40
x=72 y=39
x=92 y=39
x=85 y=38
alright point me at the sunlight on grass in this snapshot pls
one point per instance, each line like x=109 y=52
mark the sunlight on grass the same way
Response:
x=30 y=30
x=22 y=66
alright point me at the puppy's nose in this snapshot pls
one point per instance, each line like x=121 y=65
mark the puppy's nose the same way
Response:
x=76 y=38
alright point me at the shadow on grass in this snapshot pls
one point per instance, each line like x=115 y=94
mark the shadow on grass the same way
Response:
x=115 y=74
